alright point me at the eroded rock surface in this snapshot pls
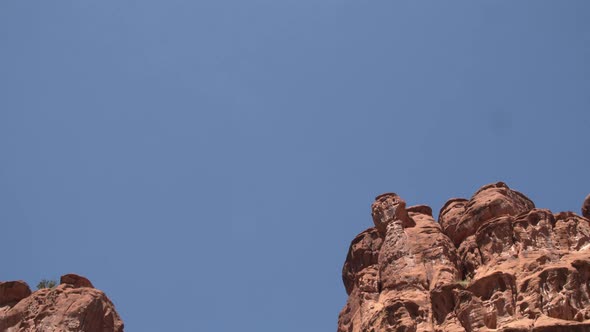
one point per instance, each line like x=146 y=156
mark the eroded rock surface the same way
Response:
x=72 y=306
x=493 y=262
x=586 y=207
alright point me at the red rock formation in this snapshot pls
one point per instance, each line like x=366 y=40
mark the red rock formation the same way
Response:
x=492 y=263
x=13 y=291
x=75 y=280
x=586 y=207
x=74 y=305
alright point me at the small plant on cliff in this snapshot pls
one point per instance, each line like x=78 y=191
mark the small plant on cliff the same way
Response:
x=44 y=283
x=465 y=282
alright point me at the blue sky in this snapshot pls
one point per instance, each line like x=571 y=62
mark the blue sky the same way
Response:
x=207 y=163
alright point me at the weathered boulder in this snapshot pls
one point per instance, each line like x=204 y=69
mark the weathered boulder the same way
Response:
x=489 y=202
x=13 y=291
x=387 y=208
x=75 y=280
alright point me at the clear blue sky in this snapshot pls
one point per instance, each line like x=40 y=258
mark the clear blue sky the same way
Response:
x=207 y=163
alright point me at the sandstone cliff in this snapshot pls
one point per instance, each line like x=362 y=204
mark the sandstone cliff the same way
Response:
x=493 y=262
x=73 y=306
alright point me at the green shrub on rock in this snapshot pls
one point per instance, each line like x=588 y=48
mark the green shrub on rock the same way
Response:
x=44 y=283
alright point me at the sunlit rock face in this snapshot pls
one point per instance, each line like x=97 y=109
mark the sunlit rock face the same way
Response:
x=72 y=306
x=493 y=262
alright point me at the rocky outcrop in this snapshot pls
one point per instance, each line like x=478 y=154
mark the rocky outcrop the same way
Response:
x=586 y=207
x=73 y=306
x=75 y=280
x=13 y=291
x=493 y=262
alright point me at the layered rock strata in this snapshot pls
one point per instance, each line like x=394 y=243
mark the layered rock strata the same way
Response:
x=73 y=306
x=493 y=262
